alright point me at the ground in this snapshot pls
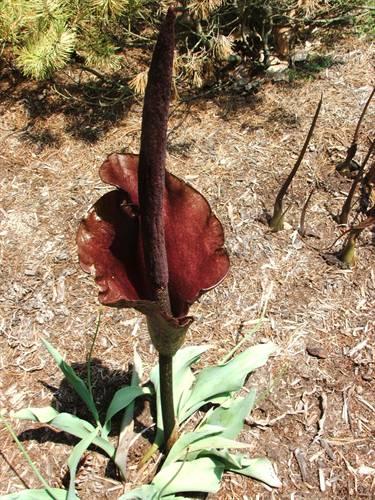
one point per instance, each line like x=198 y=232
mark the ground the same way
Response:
x=315 y=412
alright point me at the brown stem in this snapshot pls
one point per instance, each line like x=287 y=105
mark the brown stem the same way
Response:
x=355 y=137
x=366 y=188
x=352 y=150
x=344 y=215
x=276 y=221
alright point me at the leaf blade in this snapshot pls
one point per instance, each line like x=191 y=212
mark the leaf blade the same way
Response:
x=65 y=422
x=202 y=475
x=121 y=399
x=74 y=380
x=259 y=468
x=229 y=377
x=37 y=494
x=74 y=459
x=231 y=415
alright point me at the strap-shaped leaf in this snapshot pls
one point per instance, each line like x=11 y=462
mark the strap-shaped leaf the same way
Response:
x=126 y=434
x=81 y=428
x=51 y=494
x=43 y=415
x=211 y=437
x=183 y=377
x=122 y=398
x=231 y=415
x=149 y=492
x=229 y=377
x=183 y=374
x=74 y=459
x=74 y=380
x=229 y=460
x=202 y=474
x=258 y=468
x=65 y=422
x=146 y=492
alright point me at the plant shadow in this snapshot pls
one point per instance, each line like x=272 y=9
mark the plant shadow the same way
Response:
x=105 y=382
x=92 y=105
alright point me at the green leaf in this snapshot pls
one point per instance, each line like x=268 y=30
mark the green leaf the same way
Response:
x=183 y=374
x=54 y=493
x=146 y=492
x=67 y=423
x=74 y=459
x=216 y=380
x=149 y=492
x=244 y=339
x=259 y=468
x=174 y=497
x=126 y=434
x=187 y=440
x=229 y=460
x=191 y=442
x=43 y=415
x=81 y=428
x=202 y=475
x=76 y=382
x=231 y=415
x=122 y=398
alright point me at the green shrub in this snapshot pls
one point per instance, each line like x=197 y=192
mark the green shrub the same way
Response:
x=45 y=35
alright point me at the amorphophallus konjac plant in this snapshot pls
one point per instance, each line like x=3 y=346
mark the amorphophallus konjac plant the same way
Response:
x=153 y=243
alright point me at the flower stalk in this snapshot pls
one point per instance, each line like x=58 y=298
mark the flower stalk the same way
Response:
x=345 y=210
x=349 y=164
x=151 y=188
x=276 y=222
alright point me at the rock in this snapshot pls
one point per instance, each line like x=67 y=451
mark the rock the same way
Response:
x=300 y=56
x=316 y=351
x=277 y=68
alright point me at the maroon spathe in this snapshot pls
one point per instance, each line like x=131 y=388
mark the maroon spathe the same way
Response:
x=110 y=241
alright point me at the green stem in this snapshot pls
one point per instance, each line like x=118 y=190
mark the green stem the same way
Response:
x=89 y=356
x=27 y=457
x=166 y=397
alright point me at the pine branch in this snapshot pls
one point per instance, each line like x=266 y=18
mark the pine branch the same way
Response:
x=109 y=8
x=47 y=52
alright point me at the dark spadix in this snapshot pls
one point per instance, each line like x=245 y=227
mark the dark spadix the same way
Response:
x=153 y=243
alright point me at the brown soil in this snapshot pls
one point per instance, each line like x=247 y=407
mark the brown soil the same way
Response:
x=315 y=414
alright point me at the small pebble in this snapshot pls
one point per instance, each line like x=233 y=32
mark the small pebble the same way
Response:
x=367 y=376
x=317 y=352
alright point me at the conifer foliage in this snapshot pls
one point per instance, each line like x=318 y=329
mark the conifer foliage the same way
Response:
x=213 y=36
x=45 y=34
